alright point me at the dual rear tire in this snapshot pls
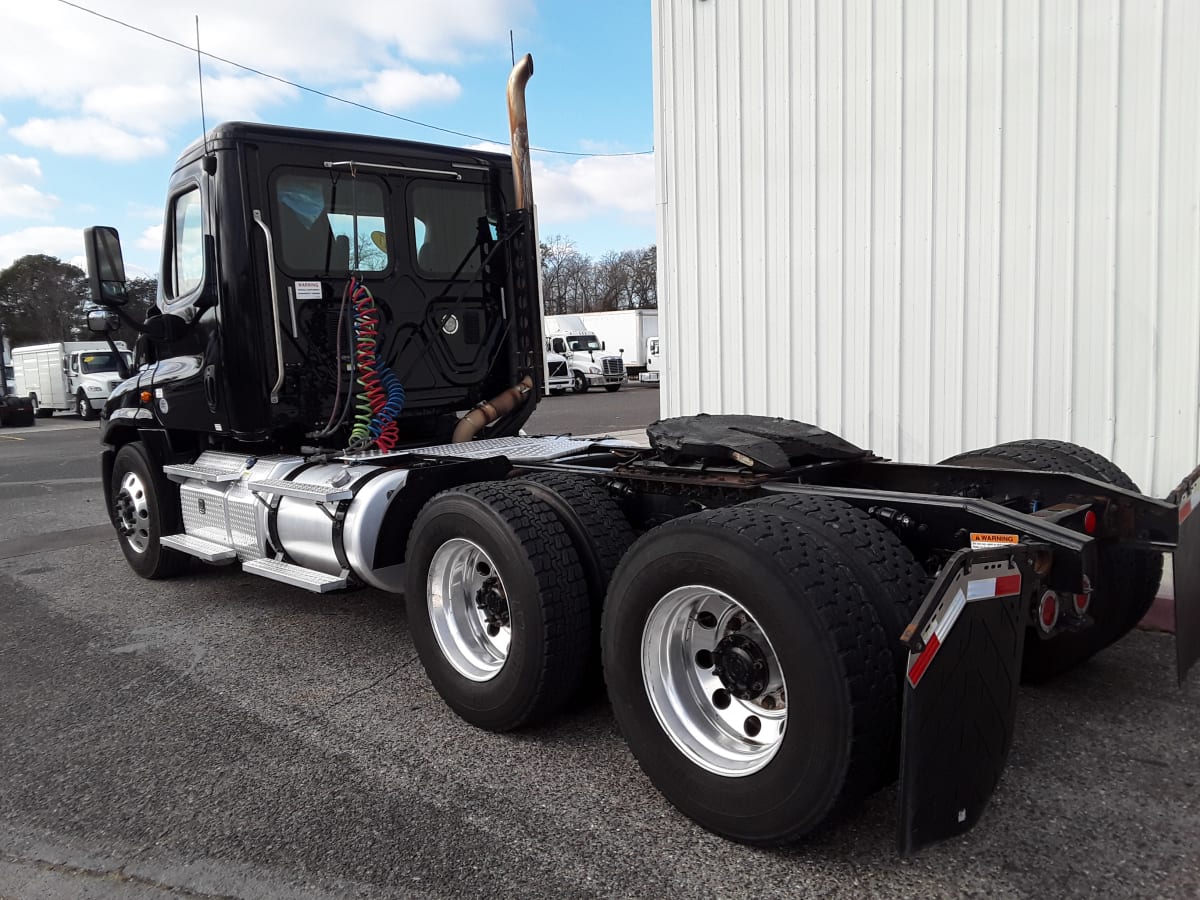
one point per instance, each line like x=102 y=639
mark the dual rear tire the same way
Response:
x=743 y=648
x=1128 y=579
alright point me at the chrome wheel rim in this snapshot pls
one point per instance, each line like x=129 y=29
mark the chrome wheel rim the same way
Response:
x=133 y=512
x=468 y=608
x=714 y=681
x=84 y=408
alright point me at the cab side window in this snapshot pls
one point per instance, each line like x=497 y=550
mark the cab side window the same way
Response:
x=185 y=245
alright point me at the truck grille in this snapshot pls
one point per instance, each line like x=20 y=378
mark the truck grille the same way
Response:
x=558 y=369
x=614 y=365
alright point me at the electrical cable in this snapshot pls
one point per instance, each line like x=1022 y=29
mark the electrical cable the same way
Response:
x=328 y=96
x=381 y=396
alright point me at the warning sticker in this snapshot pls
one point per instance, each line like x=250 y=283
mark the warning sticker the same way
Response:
x=985 y=541
x=308 y=290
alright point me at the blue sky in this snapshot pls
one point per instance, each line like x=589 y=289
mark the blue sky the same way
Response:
x=92 y=114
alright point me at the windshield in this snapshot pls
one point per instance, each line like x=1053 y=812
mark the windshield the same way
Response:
x=583 y=342
x=92 y=363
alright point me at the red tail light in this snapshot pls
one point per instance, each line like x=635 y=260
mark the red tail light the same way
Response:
x=1089 y=521
x=1048 y=611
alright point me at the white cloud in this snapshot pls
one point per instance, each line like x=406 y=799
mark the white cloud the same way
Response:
x=150 y=239
x=404 y=87
x=239 y=97
x=2 y=120
x=19 y=197
x=52 y=240
x=146 y=87
x=87 y=137
x=571 y=191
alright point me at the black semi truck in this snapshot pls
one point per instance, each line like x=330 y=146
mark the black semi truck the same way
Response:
x=331 y=393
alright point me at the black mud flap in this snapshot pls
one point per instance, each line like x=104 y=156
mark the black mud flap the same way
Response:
x=960 y=691
x=1187 y=576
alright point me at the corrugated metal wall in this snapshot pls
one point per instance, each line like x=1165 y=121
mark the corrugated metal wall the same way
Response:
x=931 y=226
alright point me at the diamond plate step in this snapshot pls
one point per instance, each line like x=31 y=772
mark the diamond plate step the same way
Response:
x=296 y=576
x=317 y=493
x=186 y=471
x=524 y=449
x=209 y=551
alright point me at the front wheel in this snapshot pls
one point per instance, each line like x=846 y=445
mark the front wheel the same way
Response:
x=581 y=384
x=83 y=407
x=497 y=604
x=749 y=674
x=144 y=506
x=612 y=388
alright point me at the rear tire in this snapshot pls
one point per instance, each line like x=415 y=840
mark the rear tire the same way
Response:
x=143 y=507
x=804 y=616
x=895 y=583
x=1129 y=579
x=38 y=410
x=600 y=538
x=497 y=604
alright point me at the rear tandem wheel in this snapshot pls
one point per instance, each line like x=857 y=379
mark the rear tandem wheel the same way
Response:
x=749 y=674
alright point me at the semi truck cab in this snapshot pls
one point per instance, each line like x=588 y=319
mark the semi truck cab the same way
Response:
x=288 y=254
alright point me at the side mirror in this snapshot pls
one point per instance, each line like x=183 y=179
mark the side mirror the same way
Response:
x=101 y=321
x=602 y=345
x=106 y=265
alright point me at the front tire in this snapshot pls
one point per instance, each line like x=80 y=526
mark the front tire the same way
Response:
x=1128 y=578
x=83 y=407
x=144 y=506
x=497 y=605
x=612 y=388
x=749 y=674
x=581 y=384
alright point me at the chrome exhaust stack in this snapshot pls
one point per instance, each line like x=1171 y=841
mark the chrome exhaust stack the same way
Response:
x=518 y=125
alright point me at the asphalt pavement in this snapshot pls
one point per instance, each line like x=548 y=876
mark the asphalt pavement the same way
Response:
x=220 y=735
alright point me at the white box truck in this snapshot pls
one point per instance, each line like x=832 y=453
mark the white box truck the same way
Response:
x=624 y=331
x=68 y=375
x=653 y=373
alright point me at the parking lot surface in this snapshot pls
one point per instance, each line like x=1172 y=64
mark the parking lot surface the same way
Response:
x=220 y=735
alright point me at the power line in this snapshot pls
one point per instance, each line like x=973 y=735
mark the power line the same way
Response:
x=325 y=94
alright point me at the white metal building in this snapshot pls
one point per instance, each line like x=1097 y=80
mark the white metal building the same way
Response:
x=933 y=225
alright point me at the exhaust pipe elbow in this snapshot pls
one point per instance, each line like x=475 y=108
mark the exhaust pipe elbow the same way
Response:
x=488 y=411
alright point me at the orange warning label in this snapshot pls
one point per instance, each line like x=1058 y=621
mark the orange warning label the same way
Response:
x=983 y=540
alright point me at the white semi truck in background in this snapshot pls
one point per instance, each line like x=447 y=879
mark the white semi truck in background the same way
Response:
x=68 y=375
x=589 y=358
x=625 y=332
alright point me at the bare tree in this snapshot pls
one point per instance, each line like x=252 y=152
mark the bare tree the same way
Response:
x=574 y=283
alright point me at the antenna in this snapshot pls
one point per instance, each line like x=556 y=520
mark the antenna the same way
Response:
x=200 y=73
x=511 y=48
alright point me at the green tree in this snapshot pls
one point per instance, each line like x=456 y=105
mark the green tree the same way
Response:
x=42 y=299
x=143 y=294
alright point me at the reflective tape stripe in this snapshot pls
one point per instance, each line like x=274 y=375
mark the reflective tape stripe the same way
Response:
x=938 y=629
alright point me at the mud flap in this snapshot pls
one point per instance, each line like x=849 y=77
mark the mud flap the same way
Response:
x=1187 y=576
x=960 y=691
